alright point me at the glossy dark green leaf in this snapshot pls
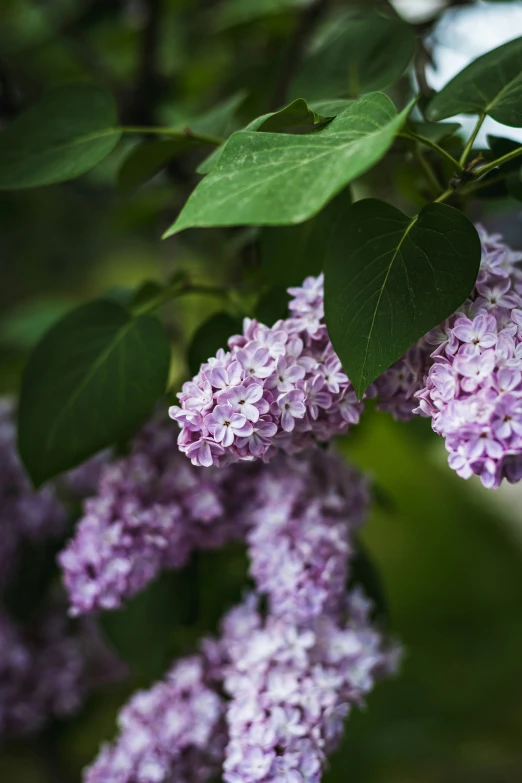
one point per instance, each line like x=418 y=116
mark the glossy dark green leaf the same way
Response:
x=26 y=323
x=65 y=134
x=357 y=54
x=491 y=85
x=94 y=377
x=280 y=179
x=149 y=158
x=288 y=254
x=142 y=631
x=389 y=279
x=272 y=305
x=210 y=337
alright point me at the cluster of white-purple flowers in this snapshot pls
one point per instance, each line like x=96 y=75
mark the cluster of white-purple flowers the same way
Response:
x=293 y=685
x=295 y=671
x=265 y=701
x=151 y=510
x=473 y=389
x=276 y=388
x=172 y=733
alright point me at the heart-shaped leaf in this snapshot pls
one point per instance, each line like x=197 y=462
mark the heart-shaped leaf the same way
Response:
x=357 y=54
x=65 y=134
x=94 y=377
x=492 y=85
x=278 y=179
x=389 y=279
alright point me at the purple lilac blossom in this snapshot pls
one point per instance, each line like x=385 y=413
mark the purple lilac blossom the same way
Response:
x=301 y=522
x=47 y=668
x=473 y=389
x=172 y=733
x=151 y=509
x=278 y=388
x=292 y=686
x=294 y=674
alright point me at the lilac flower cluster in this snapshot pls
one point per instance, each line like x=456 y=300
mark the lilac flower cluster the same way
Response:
x=173 y=733
x=294 y=674
x=301 y=521
x=291 y=674
x=276 y=388
x=151 y=509
x=473 y=389
x=292 y=686
x=47 y=669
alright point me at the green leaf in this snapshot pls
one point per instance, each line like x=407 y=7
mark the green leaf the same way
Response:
x=217 y=120
x=356 y=55
x=26 y=323
x=142 y=632
x=210 y=337
x=149 y=158
x=94 y=377
x=389 y=279
x=278 y=179
x=492 y=85
x=65 y=134
x=330 y=107
x=288 y=254
x=272 y=305
x=296 y=115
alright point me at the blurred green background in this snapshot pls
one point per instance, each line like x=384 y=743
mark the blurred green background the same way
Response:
x=448 y=552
